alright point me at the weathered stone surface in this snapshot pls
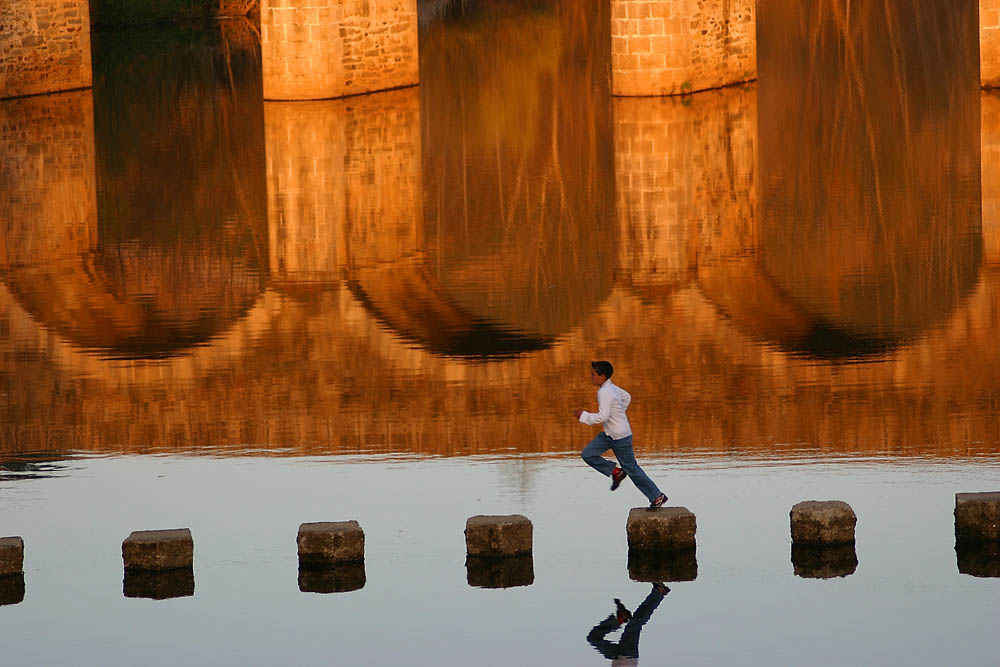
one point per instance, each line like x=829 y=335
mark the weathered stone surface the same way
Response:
x=811 y=561
x=977 y=516
x=44 y=46
x=161 y=585
x=978 y=559
x=11 y=555
x=989 y=43
x=671 y=47
x=158 y=549
x=500 y=572
x=823 y=522
x=663 y=529
x=509 y=535
x=320 y=49
x=654 y=566
x=323 y=544
x=11 y=589
x=339 y=578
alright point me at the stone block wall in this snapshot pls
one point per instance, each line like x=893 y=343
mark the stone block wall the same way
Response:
x=670 y=47
x=320 y=49
x=686 y=181
x=44 y=46
x=989 y=43
x=990 y=155
x=343 y=184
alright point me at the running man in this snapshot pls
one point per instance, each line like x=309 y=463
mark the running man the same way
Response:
x=612 y=402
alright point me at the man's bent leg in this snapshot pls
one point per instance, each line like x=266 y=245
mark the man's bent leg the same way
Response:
x=626 y=459
x=592 y=454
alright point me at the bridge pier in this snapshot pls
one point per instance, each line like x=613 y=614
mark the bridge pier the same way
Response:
x=989 y=43
x=322 y=49
x=673 y=47
x=44 y=46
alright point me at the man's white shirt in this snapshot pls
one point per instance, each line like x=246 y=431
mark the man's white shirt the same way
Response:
x=612 y=402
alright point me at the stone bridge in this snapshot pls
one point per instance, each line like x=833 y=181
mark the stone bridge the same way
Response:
x=323 y=49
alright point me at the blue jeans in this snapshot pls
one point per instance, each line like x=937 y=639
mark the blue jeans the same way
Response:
x=626 y=459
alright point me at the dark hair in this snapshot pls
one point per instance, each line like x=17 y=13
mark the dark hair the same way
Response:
x=602 y=368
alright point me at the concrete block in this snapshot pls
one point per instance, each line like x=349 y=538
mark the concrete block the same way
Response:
x=159 y=585
x=11 y=555
x=11 y=589
x=652 y=566
x=158 y=549
x=978 y=559
x=822 y=522
x=326 y=543
x=664 y=529
x=498 y=535
x=811 y=561
x=977 y=516
x=340 y=578
x=507 y=572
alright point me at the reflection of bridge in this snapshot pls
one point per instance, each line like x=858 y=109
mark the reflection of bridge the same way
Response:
x=357 y=327
x=321 y=49
x=354 y=331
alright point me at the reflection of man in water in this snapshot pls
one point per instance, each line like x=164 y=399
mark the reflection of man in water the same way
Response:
x=612 y=402
x=626 y=650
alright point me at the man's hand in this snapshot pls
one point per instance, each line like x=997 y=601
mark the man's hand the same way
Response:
x=577 y=413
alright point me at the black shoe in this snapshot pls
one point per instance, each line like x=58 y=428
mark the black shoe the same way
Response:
x=658 y=502
x=622 y=615
x=617 y=477
x=660 y=588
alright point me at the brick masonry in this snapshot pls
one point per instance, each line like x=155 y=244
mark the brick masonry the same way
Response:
x=989 y=43
x=343 y=183
x=44 y=46
x=320 y=49
x=685 y=171
x=670 y=47
x=49 y=205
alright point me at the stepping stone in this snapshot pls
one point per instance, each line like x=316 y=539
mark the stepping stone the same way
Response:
x=158 y=550
x=509 y=535
x=823 y=522
x=11 y=556
x=327 y=543
x=977 y=516
x=664 y=529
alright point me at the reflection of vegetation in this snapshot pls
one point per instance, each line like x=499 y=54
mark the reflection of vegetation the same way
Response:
x=518 y=162
x=181 y=192
x=870 y=173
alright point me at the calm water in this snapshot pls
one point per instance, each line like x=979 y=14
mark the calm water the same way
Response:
x=237 y=316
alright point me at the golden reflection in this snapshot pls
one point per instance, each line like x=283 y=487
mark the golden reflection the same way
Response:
x=885 y=239
x=485 y=201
